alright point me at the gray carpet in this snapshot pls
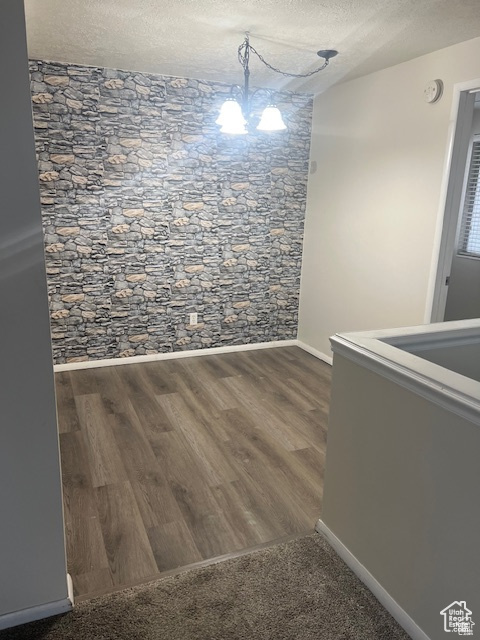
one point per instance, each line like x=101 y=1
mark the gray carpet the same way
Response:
x=300 y=590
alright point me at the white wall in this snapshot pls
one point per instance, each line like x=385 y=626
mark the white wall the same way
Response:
x=32 y=550
x=374 y=200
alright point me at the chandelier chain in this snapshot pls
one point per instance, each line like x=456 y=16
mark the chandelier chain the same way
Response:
x=243 y=57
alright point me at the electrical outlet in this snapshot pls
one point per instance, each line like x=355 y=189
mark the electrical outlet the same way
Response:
x=193 y=319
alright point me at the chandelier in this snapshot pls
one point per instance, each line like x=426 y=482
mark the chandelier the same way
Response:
x=236 y=112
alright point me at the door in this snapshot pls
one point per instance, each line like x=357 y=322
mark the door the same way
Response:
x=455 y=296
x=463 y=296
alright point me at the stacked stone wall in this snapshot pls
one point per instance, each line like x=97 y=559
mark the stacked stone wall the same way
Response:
x=150 y=213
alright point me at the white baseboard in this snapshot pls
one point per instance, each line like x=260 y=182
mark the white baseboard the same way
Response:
x=209 y=351
x=70 y=589
x=391 y=605
x=36 y=613
x=315 y=352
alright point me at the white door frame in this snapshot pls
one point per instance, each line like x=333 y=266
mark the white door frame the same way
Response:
x=450 y=197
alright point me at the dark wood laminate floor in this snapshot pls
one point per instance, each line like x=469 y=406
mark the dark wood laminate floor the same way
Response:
x=173 y=462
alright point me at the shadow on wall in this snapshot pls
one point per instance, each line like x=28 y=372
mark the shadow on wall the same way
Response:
x=150 y=214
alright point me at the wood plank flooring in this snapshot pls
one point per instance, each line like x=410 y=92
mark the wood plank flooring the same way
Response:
x=175 y=462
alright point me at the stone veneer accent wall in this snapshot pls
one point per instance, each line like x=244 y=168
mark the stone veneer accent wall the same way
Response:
x=150 y=213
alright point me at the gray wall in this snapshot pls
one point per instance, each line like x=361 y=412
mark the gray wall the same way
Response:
x=150 y=214
x=463 y=359
x=32 y=557
x=463 y=297
x=401 y=493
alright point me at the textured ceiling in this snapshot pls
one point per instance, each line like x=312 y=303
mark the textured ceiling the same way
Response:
x=199 y=38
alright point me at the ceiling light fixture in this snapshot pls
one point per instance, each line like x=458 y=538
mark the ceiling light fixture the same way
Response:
x=236 y=112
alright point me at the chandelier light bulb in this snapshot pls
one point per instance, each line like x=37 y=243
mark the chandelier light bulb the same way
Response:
x=271 y=120
x=234 y=129
x=231 y=117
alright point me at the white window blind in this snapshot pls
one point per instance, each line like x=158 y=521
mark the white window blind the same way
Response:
x=469 y=240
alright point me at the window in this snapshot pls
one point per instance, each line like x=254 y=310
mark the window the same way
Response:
x=469 y=240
